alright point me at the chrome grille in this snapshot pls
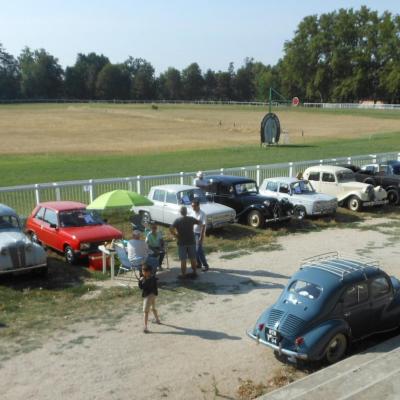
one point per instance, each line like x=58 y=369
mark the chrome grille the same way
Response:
x=274 y=316
x=17 y=254
x=291 y=325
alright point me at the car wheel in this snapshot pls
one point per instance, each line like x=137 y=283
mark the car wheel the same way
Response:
x=393 y=196
x=146 y=218
x=300 y=212
x=354 y=203
x=69 y=255
x=255 y=219
x=33 y=237
x=336 y=348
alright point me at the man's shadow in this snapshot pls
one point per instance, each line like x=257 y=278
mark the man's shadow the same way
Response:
x=201 y=333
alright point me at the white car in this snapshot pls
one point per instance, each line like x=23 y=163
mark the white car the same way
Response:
x=168 y=199
x=306 y=201
x=341 y=182
x=17 y=252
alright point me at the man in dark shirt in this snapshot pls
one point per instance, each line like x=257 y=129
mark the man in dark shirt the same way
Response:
x=182 y=229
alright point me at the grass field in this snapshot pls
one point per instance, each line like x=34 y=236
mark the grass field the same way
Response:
x=49 y=143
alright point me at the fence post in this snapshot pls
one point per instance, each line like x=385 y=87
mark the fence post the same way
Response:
x=398 y=156
x=57 y=191
x=222 y=171
x=290 y=169
x=373 y=158
x=91 y=190
x=348 y=160
x=37 y=193
x=138 y=182
x=130 y=186
x=321 y=162
x=258 y=175
x=181 y=177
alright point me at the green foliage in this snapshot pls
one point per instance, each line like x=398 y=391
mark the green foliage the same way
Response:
x=113 y=82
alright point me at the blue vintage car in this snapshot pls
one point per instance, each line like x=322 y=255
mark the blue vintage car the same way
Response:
x=330 y=302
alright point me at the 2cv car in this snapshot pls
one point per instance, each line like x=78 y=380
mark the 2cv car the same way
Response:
x=330 y=302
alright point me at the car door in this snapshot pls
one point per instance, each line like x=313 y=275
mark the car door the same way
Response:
x=157 y=209
x=225 y=194
x=356 y=309
x=283 y=191
x=328 y=184
x=171 y=209
x=50 y=228
x=37 y=223
x=381 y=297
x=314 y=178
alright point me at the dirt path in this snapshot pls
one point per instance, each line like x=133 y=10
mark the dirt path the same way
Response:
x=201 y=351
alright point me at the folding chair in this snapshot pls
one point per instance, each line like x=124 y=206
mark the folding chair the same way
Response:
x=126 y=266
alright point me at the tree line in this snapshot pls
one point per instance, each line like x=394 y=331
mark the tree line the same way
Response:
x=342 y=56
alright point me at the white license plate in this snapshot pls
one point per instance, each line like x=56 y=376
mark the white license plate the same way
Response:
x=272 y=336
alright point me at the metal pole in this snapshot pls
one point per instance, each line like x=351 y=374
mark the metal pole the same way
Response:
x=270 y=99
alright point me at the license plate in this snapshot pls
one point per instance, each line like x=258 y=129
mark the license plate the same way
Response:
x=272 y=336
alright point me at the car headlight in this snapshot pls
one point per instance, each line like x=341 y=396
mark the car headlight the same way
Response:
x=85 y=246
x=267 y=203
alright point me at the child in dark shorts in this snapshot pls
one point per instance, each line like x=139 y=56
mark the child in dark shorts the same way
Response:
x=148 y=284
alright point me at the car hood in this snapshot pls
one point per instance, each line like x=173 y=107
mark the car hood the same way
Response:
x=95 y=233
x=12 y=237
x=354 y=185
x=312 y=197
x=213 y=208
x=256 y=198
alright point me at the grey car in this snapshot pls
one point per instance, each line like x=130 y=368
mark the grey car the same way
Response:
x=168 y=199
x=17 y=252
x=300 y=192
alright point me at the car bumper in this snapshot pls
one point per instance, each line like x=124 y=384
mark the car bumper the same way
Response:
x=21 y=269
x=324 y=211
x=279 y=349
x=375 y=203
x=278 y=219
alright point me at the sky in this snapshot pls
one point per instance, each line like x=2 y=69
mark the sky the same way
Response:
x=164 y=32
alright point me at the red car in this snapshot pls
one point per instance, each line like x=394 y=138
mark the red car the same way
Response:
x=67 y=227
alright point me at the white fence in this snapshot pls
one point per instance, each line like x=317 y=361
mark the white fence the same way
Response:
x=353 y=106
x=24 y=198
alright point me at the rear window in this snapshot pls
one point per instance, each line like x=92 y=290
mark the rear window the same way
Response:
x=305 y=289
x=313 y=176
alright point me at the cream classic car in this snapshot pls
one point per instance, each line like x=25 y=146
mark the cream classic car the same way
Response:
x=341 y=182
x=17 y=252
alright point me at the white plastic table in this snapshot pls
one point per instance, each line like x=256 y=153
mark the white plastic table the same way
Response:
x=108 y=253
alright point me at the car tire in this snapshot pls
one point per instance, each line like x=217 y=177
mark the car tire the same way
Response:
x=146 y=218
x=33 y=237
x=255 y=219
x=336 y=348
x=300 y=212
x=69 y=255
x=354 y=203
x=393 y=196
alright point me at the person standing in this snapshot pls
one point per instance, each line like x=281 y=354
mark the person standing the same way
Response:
x=155 y=241
x=199 y=233
x=182 y=229
x=148 y=285
x=200 y=182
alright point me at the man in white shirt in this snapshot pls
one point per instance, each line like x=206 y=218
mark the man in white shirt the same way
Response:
x=199 y=234
x=199 y=181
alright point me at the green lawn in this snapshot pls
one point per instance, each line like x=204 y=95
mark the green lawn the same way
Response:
x=27 y=169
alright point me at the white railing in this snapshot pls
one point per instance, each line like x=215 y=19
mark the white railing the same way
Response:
x=353 y=106
x=24 y=198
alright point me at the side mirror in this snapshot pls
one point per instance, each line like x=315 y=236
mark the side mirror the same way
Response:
x=53 y=226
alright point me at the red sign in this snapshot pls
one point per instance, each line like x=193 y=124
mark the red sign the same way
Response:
x=295 y=101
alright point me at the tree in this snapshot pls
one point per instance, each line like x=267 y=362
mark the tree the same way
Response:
x=210 y=84
x=9 y=75
x=113 y=82
x=41 y=75
x=142 y=77
x=244 y=81
x=193 y=82
x=81 y=79
x=170 y=84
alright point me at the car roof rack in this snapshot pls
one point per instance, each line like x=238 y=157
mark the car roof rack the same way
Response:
x=340 y=266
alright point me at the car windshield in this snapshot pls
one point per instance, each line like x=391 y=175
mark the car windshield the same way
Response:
x=301 y=187
x=396 y=169
x=9 y=222
x=187 y=196
x=79 y=218
x=246 y=188
x=305 y=289
x=345 y=176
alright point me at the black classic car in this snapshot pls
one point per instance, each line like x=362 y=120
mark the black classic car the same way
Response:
x=380 y=175
x=242 y=195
